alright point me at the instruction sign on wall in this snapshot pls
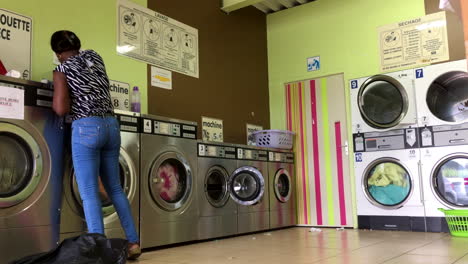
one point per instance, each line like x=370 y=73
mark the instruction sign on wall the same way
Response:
x=15 y=42
x=250 y=129
x=11 y=103
x=212 y=129
x=414 y=42
x=161 y=78
x=120 y=93
x=146 y=35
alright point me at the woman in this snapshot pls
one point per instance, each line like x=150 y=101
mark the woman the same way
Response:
x=82 y=90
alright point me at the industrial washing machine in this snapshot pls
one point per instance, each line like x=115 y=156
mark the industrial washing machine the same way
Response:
x=281 y=188
x=442 y=93
x=169 y=209
x=445 y=173
x=31 y=168
x=382 y=102
x=72 y=217
x=218 y=212
x=248 y=186
x=388 y=181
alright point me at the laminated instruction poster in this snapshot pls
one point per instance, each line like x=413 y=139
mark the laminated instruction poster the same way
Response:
x=15 y=42
x=212 y=129
x=414 y=42
x=146 y=35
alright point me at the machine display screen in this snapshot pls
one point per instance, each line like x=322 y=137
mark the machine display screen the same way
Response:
x=372 y=143
x=164 y=128
x=211 y=150
x=248 y=154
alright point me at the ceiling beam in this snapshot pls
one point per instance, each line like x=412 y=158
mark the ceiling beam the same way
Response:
x=273 y=5
x=233 y=5
x=302 y=1
x=262 y=8
x=287 y=3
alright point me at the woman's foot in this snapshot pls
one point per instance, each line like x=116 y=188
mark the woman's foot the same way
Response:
x=134 y=251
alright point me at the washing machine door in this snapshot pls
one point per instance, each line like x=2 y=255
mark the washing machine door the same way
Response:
x=282 y=185
x=246 y=185
x=447 y=97
x=21 y=165
x=128 y=181
x=387 y=183
x=170 y=181
x=216 y=186
x=450 y=180
x=382 y=101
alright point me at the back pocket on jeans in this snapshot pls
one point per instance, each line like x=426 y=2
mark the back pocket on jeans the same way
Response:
x=89 y=135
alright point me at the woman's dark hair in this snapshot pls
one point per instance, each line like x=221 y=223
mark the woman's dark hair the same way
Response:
x=64 y=40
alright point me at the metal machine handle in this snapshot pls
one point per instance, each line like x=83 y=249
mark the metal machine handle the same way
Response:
x=421 y=194
x=384 y=146
x=454 y=141
x=346 y=147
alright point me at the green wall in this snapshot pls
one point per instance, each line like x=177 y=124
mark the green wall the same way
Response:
x=95 y=24
x=342 y=32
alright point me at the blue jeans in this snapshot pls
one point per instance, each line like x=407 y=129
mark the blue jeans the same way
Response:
x=96 y=151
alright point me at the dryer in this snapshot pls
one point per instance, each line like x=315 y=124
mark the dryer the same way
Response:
x=72 y=217
x=442 y=92
x=388 y=185
x=31 y=168
x=248 y=185
x=445 y=173
x=169 y=209
x=281 y=188
x=382 y=102
x=218 y=212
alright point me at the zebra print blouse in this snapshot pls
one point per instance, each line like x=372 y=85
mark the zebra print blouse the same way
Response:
x=88 y=85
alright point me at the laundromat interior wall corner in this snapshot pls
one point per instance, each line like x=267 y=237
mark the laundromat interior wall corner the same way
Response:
x=342 y=33
x=95 y=24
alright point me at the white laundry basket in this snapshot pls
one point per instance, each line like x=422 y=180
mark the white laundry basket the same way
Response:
x=282 y=139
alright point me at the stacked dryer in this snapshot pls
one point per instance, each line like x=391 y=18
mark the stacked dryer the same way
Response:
x=442 y=92
x=384 y=122
x=31 y=158
x=72 y=216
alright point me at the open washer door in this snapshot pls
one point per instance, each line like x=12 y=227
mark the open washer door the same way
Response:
x=387 y=183
x=246 y=185
x=21 y=165
x=170 y=181
x=282 y=185
x=450 y=180
x=382 y=101
x=216 y=186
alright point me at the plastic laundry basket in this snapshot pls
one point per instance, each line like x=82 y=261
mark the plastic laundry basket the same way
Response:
x=282 y=139
x=457 y=221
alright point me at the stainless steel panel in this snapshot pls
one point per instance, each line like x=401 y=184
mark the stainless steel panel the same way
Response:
x=253 y=221
x=451 y=138
x=263 y=204
x=217 y=226
x=275 y=204
x=283 y=218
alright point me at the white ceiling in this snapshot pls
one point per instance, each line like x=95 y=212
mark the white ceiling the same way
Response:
x=271 y=6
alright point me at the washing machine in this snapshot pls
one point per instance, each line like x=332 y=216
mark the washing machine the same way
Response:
x=382 y=102
x=281 y=185
x=388 y=181
x=445 y=173
x=31 y=168
x=218 y=212
x=169 y=209
x=442 y=92
x=248 y=186
x=73 y=221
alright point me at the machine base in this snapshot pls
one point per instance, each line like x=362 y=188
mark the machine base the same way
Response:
x=395 y=223
x=217 y=226
x=282 y=218
x=254 y=221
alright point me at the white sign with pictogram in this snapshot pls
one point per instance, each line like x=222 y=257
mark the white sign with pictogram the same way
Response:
x=11 y=103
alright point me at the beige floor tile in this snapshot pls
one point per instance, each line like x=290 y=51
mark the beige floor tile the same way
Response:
x=463 y=260
x=419 y=259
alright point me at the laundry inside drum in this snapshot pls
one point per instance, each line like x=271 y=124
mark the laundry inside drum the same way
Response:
x=383 y=103
x=172 y=184
x=388 y=184
x=447 y=97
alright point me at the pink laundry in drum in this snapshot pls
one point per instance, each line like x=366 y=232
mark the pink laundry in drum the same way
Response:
x=170 y=176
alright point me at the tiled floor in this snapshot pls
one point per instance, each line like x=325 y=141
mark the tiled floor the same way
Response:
x=299 y=246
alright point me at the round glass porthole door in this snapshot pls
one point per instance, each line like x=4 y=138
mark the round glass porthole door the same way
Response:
x=125 y=174
x=20 y=165
x=170 y=181
x=282 y=185
x=387 y=183
x=382 y=101
x=450 y=180
x=246 y=185
x=447 y=97
x=216 y=186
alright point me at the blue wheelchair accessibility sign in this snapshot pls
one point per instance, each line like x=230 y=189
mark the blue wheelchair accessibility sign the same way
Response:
x=358 y=157
x=313 y=63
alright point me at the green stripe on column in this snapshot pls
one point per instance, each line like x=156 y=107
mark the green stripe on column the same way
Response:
x=327 y=153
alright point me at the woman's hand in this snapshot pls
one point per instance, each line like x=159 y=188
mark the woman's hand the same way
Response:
x=61 y=101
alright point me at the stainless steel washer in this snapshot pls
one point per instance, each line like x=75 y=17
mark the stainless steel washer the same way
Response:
x=218 y=212
x=72 y=218
x=169 y=209
x=281 y=187
x=31 y=167
x=249 y=189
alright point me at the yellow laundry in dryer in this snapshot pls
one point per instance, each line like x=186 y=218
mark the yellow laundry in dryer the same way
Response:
x=388 y=173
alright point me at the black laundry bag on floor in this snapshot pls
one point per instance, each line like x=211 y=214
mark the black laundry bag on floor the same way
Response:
x=84 y=249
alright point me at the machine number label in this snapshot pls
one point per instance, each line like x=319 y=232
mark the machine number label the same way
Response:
x=240 y=154
x=354 y=84
x=419 y=73
x=412 y=153
x=358 y=157
x=201 y=150
x=147 y=126
x=271 y=156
